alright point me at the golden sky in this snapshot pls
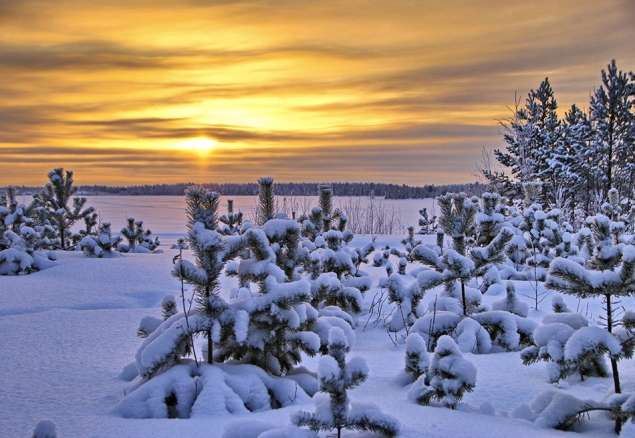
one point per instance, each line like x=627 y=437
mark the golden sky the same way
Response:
x=403 y=91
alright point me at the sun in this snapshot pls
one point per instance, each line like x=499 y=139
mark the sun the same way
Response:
x=202 y=145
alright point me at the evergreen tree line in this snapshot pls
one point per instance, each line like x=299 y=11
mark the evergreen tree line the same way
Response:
x=346 y=189
x=577 y=158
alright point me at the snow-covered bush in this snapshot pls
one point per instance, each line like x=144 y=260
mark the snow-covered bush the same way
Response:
x=191 y=391
x=149 y=324
x=333 y=410
x=417 y=358
x=406 y=293
x=557 y=410
x=14 y=215
x=102 y=244
x=511 y=303
x=139 y=239
x=450 y=376
x=19 y=259
x=45 y=429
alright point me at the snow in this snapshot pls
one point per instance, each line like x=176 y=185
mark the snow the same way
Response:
x=589 y=338
x=45 y=429
x=69 y=333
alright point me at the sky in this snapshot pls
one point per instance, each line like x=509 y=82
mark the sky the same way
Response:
x=399 y=91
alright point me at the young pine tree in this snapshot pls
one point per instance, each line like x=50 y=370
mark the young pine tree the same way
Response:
x=454 y=269
x=610 y=274
x=450 y=376
x=102 y=244
x=208 y=249
x=231 y=221
x=325 y=202
x=56 y=196
x=266 y=201
x=336 y=377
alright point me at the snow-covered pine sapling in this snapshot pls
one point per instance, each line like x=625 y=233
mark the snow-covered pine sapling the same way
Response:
x=404 y=291
x=457 y=219
x=325 y=202
x=335 y=411
x=201 y=206
x=454 y=270
x=489 y=220
x=511 y=303
x=168 y=306
x=337 y=260
x=410 y=241
x=164 y=348
x=270 y=328
x=102 y=244
x=312 y=224
x=613 y=209
x=359 y=255
x=450 y=376
x=558 y=305
x=56 y=197
x=516 y=250
x=381 y=258
x=149 y=324
x=427 y=224
x=505 y=329
x=209 y=252
x=90 y=222
x=15 y=260
x=417 y=357
x=611 y=275
x=232 y=221
x=266 y=201
x=284 y=238
x=550 y=345
x=133 y=231
x=13 y=214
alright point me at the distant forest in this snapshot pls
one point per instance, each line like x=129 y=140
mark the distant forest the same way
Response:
x=388 y=191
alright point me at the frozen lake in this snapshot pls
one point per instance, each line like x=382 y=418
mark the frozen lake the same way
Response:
x=165 y=215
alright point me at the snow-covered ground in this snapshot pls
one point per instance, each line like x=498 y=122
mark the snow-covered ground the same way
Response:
x=67 y=333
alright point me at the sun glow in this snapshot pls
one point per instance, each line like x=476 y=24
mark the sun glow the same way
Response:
x=202 y=145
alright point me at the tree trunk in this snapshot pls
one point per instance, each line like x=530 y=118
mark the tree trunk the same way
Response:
x=614 y=369
x=210 y=347
x=464 y=298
